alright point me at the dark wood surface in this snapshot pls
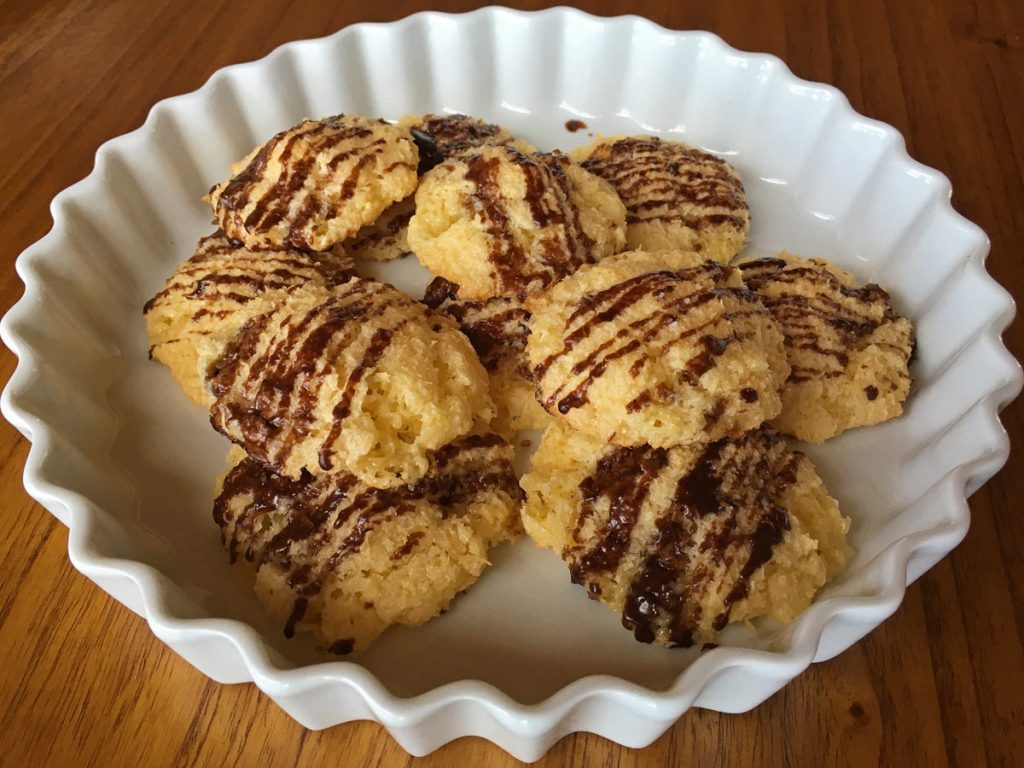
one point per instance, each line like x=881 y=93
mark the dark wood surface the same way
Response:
x=83 y=682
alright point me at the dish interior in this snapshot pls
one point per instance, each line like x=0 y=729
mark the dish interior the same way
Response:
x=523 y=628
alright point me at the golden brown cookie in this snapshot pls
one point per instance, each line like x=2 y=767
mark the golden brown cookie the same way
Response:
x=501 y=222
x=497 y=328
x=683 y=540
x=316 y=184
x=440 y=137
x=676 y=197
x=331 y=555
x=360 y=379
x=437 y=137
x=656 y=347
x=214 y=293
x=847 y=347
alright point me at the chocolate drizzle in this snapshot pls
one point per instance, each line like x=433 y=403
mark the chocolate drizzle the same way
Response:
x=449 y=135
x=306 y=528
x=379 y=343
x=699 y=547
x=622 y=481
x=665 y=181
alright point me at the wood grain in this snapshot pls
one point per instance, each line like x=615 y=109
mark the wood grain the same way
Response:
x=83 y=682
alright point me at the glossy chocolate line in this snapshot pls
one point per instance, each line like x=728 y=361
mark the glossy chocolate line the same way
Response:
x=255 y=268
x=549 y=196
x=506 y=255
x=409 y=545
x=592 y=302
x=623 y=295
x=693 y=222
x=269 y=204
x=623 y=479
x=564 y=244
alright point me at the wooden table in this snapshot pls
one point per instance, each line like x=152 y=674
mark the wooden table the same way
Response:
x=82 y=680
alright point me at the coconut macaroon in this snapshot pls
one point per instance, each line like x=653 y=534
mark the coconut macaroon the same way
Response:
x=214 y=293
x=502 y=222
x=848 y=349
x=656 y=347
x=497 y=328
x=681 y=541
x=676 y=197
x=316 y=184
x=361 y=379
x=331 y=555
x=440 y=137
x=437 y=137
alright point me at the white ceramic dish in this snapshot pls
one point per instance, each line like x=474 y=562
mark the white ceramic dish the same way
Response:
x=121 y=457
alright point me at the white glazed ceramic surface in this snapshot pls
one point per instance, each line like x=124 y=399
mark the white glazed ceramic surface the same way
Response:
x=122 y=458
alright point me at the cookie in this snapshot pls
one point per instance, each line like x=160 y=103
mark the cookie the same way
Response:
x=437 y=137
x=331 y=555
x=681 y=541
x=497 y=328
x=213 y=294
x=676 y=197
x=656 y=347
x=316 y=184
x=501 y=222
x=360 y=379
x=440 y=137
x=848 y=349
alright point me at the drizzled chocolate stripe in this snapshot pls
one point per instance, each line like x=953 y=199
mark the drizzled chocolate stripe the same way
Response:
x=821 y=329
x=656 y=179
x=717 y=530
x=328 y=517
x=506 y=255
x=274 y=207
x=622 y=479
x=453 y=133
x=549 y=194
